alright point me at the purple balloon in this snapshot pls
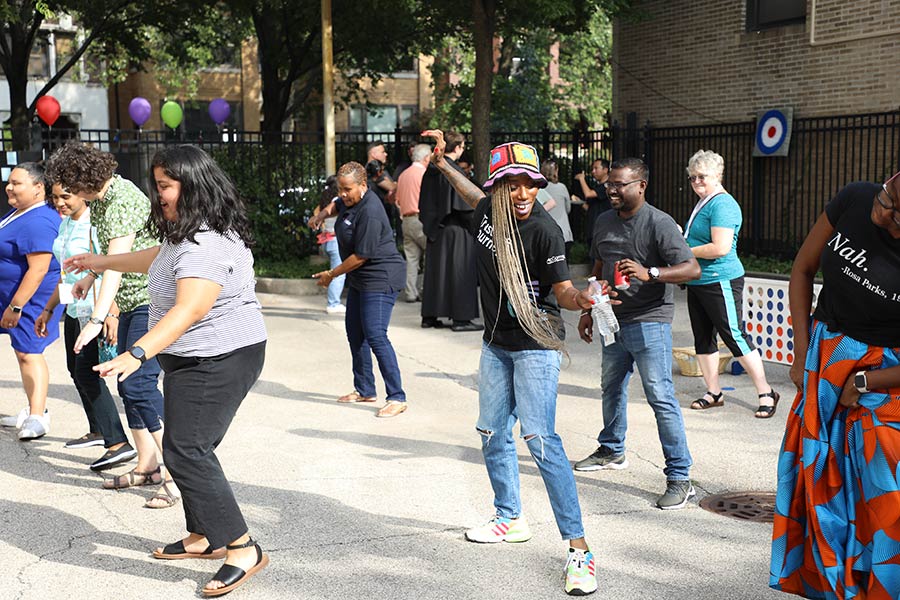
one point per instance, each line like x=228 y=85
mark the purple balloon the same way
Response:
x=219 y=111
x=139 y=110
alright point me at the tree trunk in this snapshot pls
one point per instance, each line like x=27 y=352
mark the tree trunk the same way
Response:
x=485 y=14
x=15 y=69
x=20 y=121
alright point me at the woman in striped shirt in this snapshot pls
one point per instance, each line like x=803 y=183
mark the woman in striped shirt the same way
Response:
x=207 y=331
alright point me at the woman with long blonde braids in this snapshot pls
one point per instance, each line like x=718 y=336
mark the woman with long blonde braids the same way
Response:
x=524 y=280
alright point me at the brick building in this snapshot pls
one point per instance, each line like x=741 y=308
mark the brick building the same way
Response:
x=695 y=62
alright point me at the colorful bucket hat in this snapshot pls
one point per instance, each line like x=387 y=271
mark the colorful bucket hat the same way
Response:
x=514 y=158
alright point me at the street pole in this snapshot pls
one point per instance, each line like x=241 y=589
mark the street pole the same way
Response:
x=328 y=87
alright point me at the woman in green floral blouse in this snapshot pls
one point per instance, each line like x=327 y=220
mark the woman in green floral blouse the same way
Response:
x=119 y=211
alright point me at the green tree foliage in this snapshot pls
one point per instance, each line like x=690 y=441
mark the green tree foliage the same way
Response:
x=370 y=39
x=114 y=30
x=511 y=20
x=523 y=96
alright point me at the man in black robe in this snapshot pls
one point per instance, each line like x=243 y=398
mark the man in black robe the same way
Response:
x=450 y=279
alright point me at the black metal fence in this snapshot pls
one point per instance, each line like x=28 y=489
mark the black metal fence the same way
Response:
x=781 y=196
x=282 y=178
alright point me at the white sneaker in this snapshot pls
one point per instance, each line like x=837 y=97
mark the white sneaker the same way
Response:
x=35 y=427
x=500 y=529
x=581 y=576
x=336 y=310
x=15 y=420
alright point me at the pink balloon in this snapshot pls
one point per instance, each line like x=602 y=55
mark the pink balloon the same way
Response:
x=139 y=109
x=219 y=110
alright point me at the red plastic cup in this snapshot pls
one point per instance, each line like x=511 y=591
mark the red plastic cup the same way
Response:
x=620 y=280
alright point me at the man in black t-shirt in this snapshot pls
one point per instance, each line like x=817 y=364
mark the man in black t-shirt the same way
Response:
x=520 y=257
x=645 y=244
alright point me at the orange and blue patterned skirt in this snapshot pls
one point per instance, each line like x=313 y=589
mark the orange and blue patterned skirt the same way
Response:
x=837 y=510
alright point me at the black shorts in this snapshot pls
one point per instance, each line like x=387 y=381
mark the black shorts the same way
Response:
x=716 y=308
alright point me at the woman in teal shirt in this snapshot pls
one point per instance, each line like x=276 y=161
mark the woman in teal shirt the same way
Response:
x=76 y=236
x=714 y=300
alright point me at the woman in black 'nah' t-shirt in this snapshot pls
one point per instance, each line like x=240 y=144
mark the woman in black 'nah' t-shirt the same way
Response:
x=836 y=512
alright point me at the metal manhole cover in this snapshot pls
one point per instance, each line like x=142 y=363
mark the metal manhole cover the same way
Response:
x=746 y=506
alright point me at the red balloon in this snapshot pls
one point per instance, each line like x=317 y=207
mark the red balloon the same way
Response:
x=47 y=109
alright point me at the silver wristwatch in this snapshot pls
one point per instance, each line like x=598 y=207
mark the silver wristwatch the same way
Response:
x=859 y=381
x=654 y=273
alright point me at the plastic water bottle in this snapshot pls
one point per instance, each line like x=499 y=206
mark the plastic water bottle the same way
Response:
x=602 y=313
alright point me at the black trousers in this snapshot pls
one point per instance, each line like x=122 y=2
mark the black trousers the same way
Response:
x=202 y=396
x=98 y=403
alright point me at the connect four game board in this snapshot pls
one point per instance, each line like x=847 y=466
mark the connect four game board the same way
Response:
x=767 y=318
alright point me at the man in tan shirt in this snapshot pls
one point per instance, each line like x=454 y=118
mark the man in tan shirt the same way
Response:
x=408 y=187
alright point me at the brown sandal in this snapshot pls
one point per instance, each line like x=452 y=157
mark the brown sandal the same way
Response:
x=703 y=403
x=130 y=479
x=355 y=396
x=165 y=494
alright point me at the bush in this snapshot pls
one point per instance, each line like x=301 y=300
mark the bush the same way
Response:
x=765 y=264
x=281 y=185
x=579 y=254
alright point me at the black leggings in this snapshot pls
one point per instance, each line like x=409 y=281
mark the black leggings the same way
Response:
x=98 y=403
x=202 y=396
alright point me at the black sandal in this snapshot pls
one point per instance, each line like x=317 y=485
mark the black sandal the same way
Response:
x=176 y=551
x=234 y=577
x=703 y=403
x=766 y=412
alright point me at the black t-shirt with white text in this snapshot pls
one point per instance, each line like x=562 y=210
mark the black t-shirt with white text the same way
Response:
x=861 y=271
x=545 y=259
x=364 y=230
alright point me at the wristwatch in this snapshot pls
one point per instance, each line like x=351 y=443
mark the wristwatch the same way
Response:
x=95 y=321
x=15 y=309
x=859 y=380
x=138 y=353
x=654 y=273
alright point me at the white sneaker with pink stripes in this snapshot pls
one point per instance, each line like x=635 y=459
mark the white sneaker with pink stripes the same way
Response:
x=500 y=529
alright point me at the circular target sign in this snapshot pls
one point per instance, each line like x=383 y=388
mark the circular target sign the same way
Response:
x=771 y=132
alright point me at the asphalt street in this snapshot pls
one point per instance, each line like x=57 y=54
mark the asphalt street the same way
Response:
x=351 y=506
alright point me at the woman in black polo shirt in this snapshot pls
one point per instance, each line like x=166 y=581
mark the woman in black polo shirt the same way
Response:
x=375 y=275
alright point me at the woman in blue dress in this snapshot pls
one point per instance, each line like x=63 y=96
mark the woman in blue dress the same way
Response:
x=28 y=277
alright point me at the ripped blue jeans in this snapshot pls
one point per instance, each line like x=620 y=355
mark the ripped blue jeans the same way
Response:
x=521 y=385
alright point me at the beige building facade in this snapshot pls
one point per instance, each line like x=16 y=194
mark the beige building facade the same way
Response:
x=690 y=62
x=239 y=84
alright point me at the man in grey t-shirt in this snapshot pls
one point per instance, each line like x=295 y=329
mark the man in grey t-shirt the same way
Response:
x=645 y=244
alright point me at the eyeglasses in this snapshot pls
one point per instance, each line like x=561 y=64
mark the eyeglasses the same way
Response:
x=696 y=178
x=618 y=186
x=895 y=214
